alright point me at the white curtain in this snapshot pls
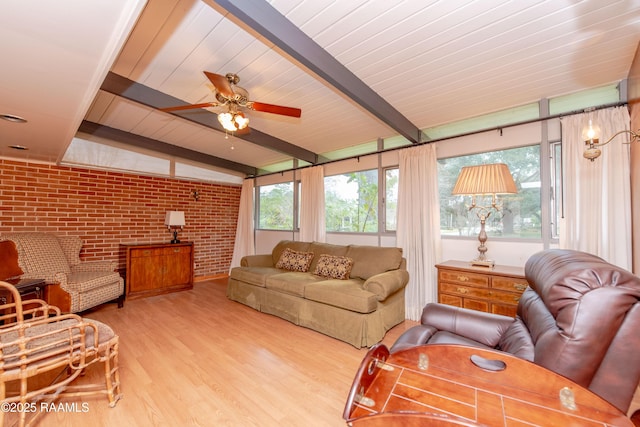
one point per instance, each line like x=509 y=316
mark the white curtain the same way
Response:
x=244 y=244
x=312 y=221
x=597 y=195
x=418 y=229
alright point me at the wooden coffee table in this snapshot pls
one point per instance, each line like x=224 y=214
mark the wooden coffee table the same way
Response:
x=458 y=385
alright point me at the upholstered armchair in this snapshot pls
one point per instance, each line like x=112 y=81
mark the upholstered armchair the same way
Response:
x=74 y=285
x=36 y=340
x=579 y=317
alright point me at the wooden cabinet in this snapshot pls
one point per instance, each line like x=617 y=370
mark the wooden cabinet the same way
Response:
x=494 y=290
x=153 y=269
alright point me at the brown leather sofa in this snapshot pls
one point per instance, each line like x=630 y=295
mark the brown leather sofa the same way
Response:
x=579 y=317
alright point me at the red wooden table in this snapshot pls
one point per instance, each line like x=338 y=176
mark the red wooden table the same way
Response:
x=442 y=385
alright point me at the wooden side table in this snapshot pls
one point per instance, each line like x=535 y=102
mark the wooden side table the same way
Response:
x=460 y=385
x=28 y=289
x=493 y=290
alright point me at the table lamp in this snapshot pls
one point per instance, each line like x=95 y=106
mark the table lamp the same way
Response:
x=484 y=180
x=174 y=220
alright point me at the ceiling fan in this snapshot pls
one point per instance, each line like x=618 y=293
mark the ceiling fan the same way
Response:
x=230 y=95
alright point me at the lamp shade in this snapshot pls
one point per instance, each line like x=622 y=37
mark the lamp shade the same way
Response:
x=485 y=179
x=174 y=219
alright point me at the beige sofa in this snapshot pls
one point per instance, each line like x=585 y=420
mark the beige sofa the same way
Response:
x=74 y=285
x=358 y=308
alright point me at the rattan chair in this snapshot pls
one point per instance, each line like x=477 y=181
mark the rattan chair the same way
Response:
x=36 y=340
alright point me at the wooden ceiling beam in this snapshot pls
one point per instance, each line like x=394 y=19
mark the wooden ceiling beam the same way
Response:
x=139 y=141
x=133 y=91
x=265 y=20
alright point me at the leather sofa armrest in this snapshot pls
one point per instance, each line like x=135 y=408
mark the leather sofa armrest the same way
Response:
x=262 y=260
x=110 y=266
x=417 y=335
x=485 y=328
x=387 y=283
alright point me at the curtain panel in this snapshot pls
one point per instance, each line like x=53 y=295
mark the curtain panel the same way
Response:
x=312 y=212
x=597 y=195
x=244 y=244
x=418 y=226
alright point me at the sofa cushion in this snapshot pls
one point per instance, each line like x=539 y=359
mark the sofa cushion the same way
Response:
x=371 y=260
x=333 y=267
x=292 y=283
x=256 y=276
x=294 y=261
x=283 y=244
x=39 y=253
x=86 y=281
x=347 y=294
x=325 y=249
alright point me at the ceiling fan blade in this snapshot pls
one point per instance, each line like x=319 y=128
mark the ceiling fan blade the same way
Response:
x=275 y=109
x=221 y=83
x=189 y=107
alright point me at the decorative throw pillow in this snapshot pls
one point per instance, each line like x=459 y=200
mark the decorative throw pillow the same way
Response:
x=294 y=260
x=334 y=267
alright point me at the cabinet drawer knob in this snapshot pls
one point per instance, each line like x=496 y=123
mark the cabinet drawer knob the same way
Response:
x=176 y=250
x=463 y=278
x=463 y=290
x=146 y=252
x=520 y=286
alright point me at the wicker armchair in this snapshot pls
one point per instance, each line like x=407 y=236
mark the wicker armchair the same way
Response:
x=36 y=339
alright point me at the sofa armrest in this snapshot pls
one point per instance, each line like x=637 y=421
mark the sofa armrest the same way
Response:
x=417 y=335
x=95 y=266
x=485 y=328
x=47 y=277
x=387 y=283
x=262 y=260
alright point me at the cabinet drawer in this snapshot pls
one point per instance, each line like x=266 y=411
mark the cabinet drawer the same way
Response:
x=504 y=297
x=450 y=300
x=145 y=252
x=176 y=250
x=513 y=284
x=475 y=304
x=505 y=310
x=465 y=291
x=464 y=278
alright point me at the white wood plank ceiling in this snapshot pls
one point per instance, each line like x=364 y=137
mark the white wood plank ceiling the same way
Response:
x=430 y=62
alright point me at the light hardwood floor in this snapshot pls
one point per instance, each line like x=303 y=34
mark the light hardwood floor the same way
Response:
x=194 y=358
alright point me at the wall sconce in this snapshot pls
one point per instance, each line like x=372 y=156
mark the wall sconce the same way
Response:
x=591 y=135
x=174 y=220
x=484 y=180
x=195 y=194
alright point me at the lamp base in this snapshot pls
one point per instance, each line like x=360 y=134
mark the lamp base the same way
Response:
x=489 y=263
x=175 y=237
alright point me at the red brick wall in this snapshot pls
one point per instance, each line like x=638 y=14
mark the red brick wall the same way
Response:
x=109 y=208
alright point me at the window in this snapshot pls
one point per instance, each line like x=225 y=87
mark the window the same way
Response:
x=390 y=199
x=275 y=209
x=351 y=202
x=520 y=216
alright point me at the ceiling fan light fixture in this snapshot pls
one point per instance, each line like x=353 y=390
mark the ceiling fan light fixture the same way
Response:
x=232 y=122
